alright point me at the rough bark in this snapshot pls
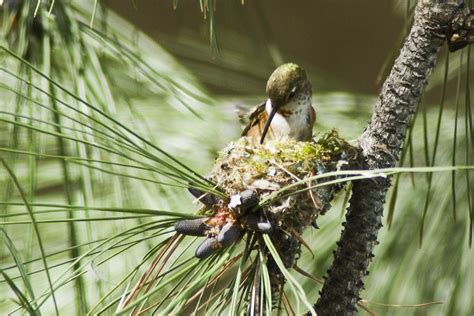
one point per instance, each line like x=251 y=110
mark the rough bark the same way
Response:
x=380 y=146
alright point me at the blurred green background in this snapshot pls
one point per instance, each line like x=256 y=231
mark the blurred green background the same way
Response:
x=343 y=45
x=346 y=48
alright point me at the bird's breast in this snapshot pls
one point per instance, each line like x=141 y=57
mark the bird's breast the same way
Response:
x=297 y=125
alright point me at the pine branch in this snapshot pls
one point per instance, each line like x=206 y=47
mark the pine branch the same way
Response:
x=435 y=22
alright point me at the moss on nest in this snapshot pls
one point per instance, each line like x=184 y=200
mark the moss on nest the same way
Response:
x=244 y=164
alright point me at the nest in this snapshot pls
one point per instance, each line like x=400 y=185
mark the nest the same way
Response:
x=269 y=168
x=277 y=175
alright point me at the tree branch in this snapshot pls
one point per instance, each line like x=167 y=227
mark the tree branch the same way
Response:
x=380 y=144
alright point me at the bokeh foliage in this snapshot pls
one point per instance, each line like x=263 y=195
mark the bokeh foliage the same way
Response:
x=100 y=131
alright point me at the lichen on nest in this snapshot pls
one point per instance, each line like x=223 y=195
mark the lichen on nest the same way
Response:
x=244 y=164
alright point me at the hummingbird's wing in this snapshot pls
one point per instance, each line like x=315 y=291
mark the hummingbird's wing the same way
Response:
x=257 y=118
x=243 y=112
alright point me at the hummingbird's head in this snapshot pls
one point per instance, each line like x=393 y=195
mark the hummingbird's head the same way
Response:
x=285 y=83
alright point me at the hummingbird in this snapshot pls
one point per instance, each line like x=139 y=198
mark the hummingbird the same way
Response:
x=288 y=112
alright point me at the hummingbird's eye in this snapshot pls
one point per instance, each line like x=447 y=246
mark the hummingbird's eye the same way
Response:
x=292 y=93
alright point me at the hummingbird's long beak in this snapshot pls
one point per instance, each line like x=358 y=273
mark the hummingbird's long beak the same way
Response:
x=267 y=124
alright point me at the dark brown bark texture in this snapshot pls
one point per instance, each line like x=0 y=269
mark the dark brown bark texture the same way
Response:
x=380 y=145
